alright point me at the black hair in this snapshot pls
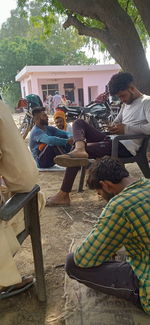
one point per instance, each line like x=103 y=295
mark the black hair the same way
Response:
x=37 y=110
x=120 y=81
x=106 y=169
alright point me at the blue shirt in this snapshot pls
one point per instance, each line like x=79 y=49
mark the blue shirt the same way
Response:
x=51 y=136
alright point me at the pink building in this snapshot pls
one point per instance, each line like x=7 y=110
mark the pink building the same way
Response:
x=81 y=83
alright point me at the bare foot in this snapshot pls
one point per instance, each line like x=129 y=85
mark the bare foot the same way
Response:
x=60 y=199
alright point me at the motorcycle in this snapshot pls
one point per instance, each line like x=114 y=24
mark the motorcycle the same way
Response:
x=100 y=111
x=27 y=122
x=95 y=113
x=113 y=107
x=72 y=113
x=27 y=104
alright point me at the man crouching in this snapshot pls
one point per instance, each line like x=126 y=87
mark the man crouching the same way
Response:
x=125 y=221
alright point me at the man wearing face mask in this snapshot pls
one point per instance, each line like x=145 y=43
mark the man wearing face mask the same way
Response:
x=47 y=141
x=125 y=221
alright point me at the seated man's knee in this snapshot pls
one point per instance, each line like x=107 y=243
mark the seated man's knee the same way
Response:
x=79 y=122
x=70 y=264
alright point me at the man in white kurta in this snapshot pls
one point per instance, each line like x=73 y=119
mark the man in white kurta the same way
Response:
x=19 y=173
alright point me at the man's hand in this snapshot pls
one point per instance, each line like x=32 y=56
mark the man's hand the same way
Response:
x=117 y=129
x=71 y=141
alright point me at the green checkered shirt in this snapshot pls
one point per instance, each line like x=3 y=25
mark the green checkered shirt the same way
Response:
x=125 y=221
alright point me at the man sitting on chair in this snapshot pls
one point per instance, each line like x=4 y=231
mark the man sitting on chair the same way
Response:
x=18 y=174
x=133 y=118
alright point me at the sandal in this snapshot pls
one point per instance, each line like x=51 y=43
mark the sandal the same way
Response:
x=68 y=161
x=51 y=203
x=27 y=282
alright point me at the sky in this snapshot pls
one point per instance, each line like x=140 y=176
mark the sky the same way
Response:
x=7 y=5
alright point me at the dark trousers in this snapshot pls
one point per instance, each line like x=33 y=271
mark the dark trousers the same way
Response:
x=47 y=155
x=97 y=145
x=113 y=278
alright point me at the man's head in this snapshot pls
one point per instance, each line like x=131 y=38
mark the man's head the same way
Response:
x=122 y=85
x=59 y=123
x=106 y=177
x=40 y=117
x=60 y=120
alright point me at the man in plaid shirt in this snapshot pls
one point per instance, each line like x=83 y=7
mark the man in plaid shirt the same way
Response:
x=125 y=221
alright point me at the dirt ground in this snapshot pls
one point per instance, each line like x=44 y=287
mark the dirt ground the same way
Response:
x=59 y=227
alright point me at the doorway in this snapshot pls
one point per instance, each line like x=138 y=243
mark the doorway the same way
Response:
x=80 y=97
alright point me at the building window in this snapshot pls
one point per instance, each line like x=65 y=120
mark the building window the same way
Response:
x=69 y=91
x=49 y=90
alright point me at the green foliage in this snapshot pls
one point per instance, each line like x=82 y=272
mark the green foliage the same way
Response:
x=132 y=11
x=14 y=24
x=25 y=41
x=15 y=54
x=51 y=7
x=11 y=93
x=90 y=22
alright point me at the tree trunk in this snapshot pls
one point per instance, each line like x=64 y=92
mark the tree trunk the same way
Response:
x=119 y=35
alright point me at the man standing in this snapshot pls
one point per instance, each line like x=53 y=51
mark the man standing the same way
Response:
x=133 y=118
x=56 y=100
x=125 y=221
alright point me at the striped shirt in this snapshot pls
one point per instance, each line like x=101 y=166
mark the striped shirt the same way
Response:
x=125 y=221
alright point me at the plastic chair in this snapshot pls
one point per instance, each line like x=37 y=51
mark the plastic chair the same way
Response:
x=29 y=202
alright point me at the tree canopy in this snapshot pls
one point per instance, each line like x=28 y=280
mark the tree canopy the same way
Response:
x=22 y=43
x=123 y=26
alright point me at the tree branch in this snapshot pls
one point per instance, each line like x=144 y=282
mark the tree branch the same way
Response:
x=116 y=22
x=87 y=8
x=83 y=29
x=119 y=34
x=101 y=34
x=96 y=9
